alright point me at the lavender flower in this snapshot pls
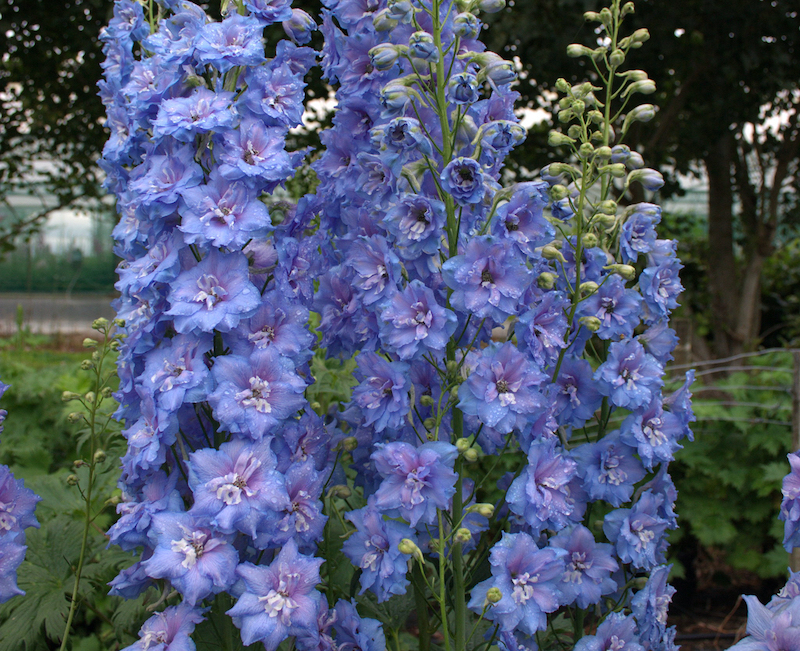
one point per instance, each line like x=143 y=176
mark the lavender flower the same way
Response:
x=169 y=630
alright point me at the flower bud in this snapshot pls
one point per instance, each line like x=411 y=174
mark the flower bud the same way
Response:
x=462 y=535
x=349 y=443
x=384 y=56
x=483 y=509
x=604 y=152
x=586 y=150
x=606 y=221
x=574 y=131
x=89 y=343
x=608 y=207
x=72 y=480
x=562 y=86
x=79 y=463
x=120 y=323
x=340 y=490
x=590 y=240
x=578 y=106
x=546 y=280
x=589 y=287
x=383 y=22
x=591 y=16
x=591 y=323
x=462 y=445
x=400 y=10
x=466 y=25
x=429 y=423
x=406 y=546
x=558 y=139
x=635 y=160
x=90 y=397
x=99 y=456
x=645 y=87
x=627 y=8
x=471 y=455
x=565 y=116
x=316 y=405
x=552 y=253
x=452 y=366
x=557 y=169
x=491 y=6
x=68 y=396
x=100 y=324
x=421 y=46
x=106 y=392
x=500 y=72
x=595 y=116
x=493 y=595
x=299 y=27
x=617 y=58
x=74 y=417
x=576 y=50
x=114 y=345
x=643 y=113
x=626 y=271
x=650 y=179
x=616 y=170
x=641 y=35
x=426 y=400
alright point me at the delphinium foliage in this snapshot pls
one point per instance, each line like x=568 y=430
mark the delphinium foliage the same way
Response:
x=499 y=474
x=17 y=505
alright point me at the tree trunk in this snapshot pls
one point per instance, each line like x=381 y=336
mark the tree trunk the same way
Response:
x=722 y=277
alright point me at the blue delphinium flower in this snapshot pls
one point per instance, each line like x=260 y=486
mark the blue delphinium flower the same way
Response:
x=768 y=629
x=629 y=377
x=790 y=505
x=12 y=553
x=541 y=494
x=609 y=469
x=196 y=560
x=616 y=633
x=279 y=600
x=237 y=485
x=374 y=548
x=487 y=280
x=416 y=481
x=462 y=178
x=528 y=579
x=236 y=41
x=649 y=607
x=169 y=630
x=503 y=388
x=383 y=391
x=637 y=533
x=413 y=323
x=255 y=394
x=589 y=565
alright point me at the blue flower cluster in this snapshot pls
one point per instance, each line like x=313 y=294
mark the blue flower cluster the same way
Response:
x=17 y=504
x=529 y=320
x=223 y=476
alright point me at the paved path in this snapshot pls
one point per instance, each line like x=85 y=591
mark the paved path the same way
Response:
x=53 y=313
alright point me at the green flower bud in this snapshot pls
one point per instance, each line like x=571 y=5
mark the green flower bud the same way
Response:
x=120 y=323
x=89 y=343
x=316 y=405
x=627 y=8
x=72 y=480
x=451 y=366
x=340 y=490
x=552 y=253
x=87 y=364
x=625 y=270
x=558 y=192
x=426 y=400
x=641 y=35
x=633 y=75
x=462 y=445
x=79 y=463
x=462 y=535
x=591 y=323
x=556 y=169
x=74 y=417
x=96 y=356
x=561 y=85
x=349 y=443
x=604 y=152
x=99 y=324
x=546 y=280
x=491 y=6
x=493 y=595
x=68 y=396
x=383 y=22
x=645 y=87
x=586 y=150
x=471 y=455
x=106 y=392
x=565 y=116
x=574 y=131
x=606 y=221
x=617 y=58
x=576 y=50
x=483 y=509
x=429 y=423
x=578 y=106
x=99 y=456
x=589 y=287
x=590 y=240
x=406 y=546
x=558 y=139
x=608 y=207
x=114 y=345
x=90 y=397
x=616 y=170
x=591 y=16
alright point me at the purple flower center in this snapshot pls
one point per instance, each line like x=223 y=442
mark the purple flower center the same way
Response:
x=523 y=588
x=210 y=291
x=256 y=396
